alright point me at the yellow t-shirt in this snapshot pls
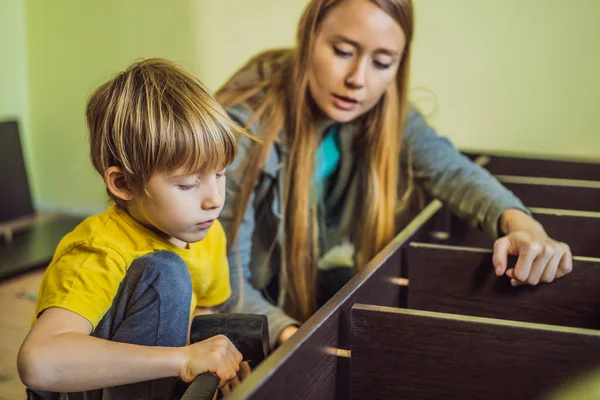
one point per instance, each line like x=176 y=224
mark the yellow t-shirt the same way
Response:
x=91 y=261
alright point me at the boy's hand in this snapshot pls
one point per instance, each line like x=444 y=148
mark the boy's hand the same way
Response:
x=243 y=373
x=216 y=355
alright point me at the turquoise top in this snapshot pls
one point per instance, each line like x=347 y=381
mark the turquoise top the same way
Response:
x=327 y=158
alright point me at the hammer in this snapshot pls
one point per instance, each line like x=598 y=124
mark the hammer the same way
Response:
x=249 y=333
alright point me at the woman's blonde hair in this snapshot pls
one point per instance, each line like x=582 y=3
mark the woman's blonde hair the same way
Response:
x=155 y=116
x=280 y=101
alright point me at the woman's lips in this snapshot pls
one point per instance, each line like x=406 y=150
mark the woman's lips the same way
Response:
x=344 y=103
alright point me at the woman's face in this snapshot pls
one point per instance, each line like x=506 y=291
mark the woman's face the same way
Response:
x=356 y=56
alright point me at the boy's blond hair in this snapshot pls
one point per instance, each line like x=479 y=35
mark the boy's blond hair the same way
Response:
x=154 y=117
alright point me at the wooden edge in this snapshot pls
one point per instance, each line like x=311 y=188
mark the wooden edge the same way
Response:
x=482 y=161
x=424 y=216
x=482 y=250
x=561 y=212
x=542 y=181
x=477 y=320
x=285 y=351
x=530 y=156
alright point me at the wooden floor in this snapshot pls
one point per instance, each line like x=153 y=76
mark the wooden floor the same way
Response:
x=17 y=302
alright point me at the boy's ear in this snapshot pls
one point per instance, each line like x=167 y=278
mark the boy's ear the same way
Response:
x=116 y=184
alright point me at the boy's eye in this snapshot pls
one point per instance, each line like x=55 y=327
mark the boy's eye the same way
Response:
x=186 y=187
x=221 y=174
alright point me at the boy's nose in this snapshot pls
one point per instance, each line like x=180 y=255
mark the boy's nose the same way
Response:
x=213 y=198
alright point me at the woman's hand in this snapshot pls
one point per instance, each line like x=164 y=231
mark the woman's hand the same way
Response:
x=540 y=258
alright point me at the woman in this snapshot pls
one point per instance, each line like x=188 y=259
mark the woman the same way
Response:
x=339 y=140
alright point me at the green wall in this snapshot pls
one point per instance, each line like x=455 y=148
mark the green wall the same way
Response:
x=74 y=46
x=517 y=75
x=513 y=75
x=13 y=72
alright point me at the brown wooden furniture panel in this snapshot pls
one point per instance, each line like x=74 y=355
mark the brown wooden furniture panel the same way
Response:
x=313 y=364
x=308 y=366
x=407 y=354
x=561 y=197
x=462 y=281
x=522 y=165
x=580 y=232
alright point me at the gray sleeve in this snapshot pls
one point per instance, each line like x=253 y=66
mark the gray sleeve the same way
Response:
x=468 y=190
x=240 y=254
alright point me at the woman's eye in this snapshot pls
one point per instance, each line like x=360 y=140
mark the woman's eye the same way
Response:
x=380 y=65
x=341 y=53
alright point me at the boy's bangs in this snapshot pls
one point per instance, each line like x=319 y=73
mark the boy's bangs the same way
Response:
x=205 y=145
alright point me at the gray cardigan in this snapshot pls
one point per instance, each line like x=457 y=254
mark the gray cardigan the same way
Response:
x=468 y=190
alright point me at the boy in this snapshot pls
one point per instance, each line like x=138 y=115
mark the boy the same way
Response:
x=113 y=312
